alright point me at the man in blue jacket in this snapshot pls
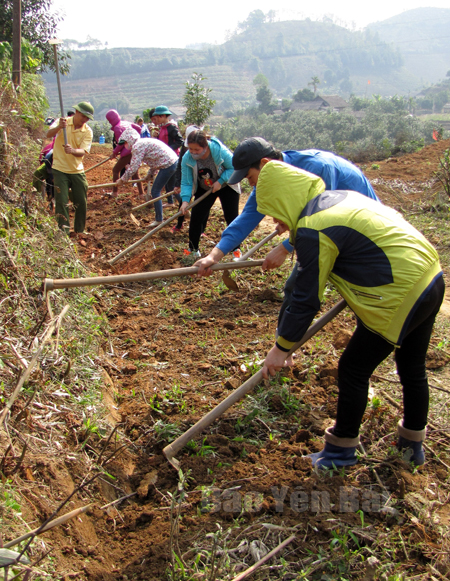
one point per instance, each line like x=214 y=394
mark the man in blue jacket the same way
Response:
x=249 y=158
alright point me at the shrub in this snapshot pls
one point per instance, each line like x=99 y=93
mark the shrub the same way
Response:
x=99 y=128
x=386 y=128
x=443 y=174
x=21 y=135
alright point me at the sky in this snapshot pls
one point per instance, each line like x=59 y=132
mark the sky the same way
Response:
x=135 y=23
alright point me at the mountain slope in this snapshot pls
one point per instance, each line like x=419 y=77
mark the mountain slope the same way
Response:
x=423 y=36
x=389 y=57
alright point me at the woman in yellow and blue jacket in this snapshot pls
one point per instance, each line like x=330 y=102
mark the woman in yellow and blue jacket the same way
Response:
x=391 y=278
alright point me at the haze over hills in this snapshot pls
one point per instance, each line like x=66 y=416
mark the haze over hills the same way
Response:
x=423 y=37
x=395 y=56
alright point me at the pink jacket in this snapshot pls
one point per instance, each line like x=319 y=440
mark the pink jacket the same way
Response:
x=46 y=149
x=118 y=126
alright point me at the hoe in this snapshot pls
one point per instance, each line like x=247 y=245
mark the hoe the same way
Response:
x=237 y=394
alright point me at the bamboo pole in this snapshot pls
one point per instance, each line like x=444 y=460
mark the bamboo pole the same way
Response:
x=63 y=519
x=53 y=523
x=267 y=557
x=51 y=284
x=95 y=186
x=147 y=236
x=227 y=279
x=151 y=201
x=55 y=42
x=238 y=393
x=258 y=246
x=121 y=499
x=114 y=183
x=97 y=164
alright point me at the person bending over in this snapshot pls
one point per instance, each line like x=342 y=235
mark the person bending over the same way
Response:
x=391 y=278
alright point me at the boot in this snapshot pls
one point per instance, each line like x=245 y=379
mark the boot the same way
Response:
x=338 y=452
x=410 y=443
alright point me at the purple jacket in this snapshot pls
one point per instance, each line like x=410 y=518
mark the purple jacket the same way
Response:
x=118 y=126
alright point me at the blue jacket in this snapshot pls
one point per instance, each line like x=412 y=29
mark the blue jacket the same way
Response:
x=144 y=131
x=336 y=172
x=222 y=157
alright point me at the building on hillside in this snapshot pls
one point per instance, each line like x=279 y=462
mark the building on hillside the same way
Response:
x=322 y=103
x=335 y=102
x=314 y=105
x=446 y=109
x=178 y=112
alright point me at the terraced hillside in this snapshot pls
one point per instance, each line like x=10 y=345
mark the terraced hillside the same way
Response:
x=387 y=59
x=140 y=91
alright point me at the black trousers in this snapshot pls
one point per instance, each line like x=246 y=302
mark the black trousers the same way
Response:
x=229 y=200
x=366 y=350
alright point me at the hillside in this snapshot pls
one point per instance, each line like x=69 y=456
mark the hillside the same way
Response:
x=287 y=53
x=132 y=366
x=132 y=93
x=423 y=38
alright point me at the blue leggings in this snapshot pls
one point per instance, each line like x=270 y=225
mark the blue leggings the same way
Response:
x=161 y=180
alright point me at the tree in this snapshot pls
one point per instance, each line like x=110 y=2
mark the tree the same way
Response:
x=314 y=82
x=264 y=98
x=197 y=102
x=264 y=94
x=260 y=80
x=31 y=57
x=346 y=86
x=38 y=27
x=329 y=77
x=254 y=20
x=146 y=115
x=303 y=95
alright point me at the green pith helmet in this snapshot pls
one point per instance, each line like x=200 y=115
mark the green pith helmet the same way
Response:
x=85 y=108
x=162 y=110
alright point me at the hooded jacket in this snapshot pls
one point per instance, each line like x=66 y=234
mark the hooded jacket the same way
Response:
x=378 y=262
x=189 y=174
x=118 y=127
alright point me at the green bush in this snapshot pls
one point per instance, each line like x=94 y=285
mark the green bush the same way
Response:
x=22 y=112
x=386 y=128
x=99 y=128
